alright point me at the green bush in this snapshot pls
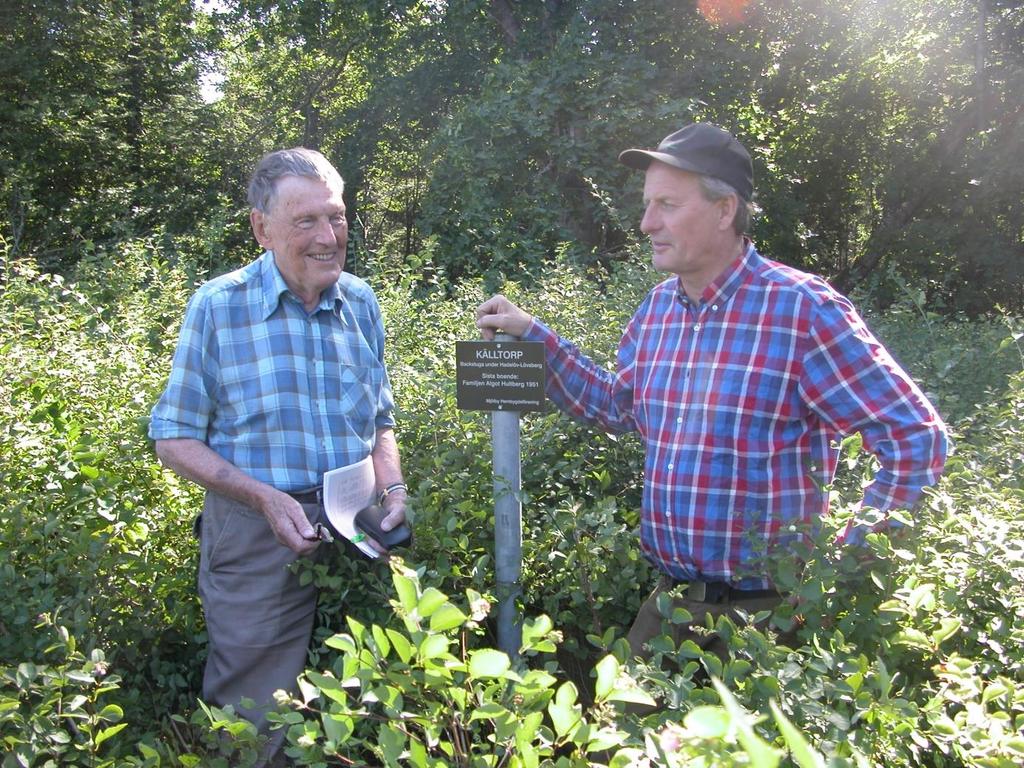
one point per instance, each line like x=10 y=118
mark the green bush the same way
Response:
x=910 y=651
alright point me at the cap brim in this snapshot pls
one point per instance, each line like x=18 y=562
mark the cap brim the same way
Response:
x=640 y=159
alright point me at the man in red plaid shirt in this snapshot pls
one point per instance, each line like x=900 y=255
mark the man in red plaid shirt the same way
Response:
x=741 y=375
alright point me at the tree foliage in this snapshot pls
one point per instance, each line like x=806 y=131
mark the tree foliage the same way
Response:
x=102 y=123
x=479 y=137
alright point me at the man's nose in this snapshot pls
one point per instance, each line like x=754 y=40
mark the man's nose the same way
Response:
x=325 y=232
x=649 y=223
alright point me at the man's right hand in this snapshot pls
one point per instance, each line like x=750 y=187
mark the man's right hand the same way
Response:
x=199 y=463
x=500 y=314
x=288 y=520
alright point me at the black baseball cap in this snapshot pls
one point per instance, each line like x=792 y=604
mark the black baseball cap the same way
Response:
x=701 y=148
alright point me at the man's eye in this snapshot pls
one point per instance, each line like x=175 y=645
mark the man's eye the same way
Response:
x=304 y=223
x=338 y=221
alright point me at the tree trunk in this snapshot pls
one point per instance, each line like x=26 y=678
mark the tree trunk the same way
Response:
x=502 y=13
x=897 y=215
x=980 y=50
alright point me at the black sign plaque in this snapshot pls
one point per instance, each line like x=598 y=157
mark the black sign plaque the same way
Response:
x=499 y=375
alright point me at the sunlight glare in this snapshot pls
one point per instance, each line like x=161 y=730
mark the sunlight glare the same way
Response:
x=723 y=13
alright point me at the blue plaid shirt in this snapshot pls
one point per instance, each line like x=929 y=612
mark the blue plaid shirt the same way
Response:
x=282 y=394
x=740 y=399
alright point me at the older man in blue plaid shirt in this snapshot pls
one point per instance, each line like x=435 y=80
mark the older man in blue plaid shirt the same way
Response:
x=278 y=377
x=740 y=374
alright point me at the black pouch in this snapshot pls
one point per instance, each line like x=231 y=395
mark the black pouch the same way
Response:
x=368 y=521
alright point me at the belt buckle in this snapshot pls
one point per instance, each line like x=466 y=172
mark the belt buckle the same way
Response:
x=697 y=590
x=315 y=494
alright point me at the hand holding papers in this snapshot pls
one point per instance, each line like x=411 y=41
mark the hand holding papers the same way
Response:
x=347 y=490
x=351 y=509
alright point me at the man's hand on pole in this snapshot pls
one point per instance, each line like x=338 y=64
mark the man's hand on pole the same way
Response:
x=500 y=314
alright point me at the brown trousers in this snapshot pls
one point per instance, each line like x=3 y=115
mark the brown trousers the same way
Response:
x=647 y=624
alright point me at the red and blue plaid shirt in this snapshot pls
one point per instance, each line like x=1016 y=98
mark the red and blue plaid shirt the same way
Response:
x=740 y=401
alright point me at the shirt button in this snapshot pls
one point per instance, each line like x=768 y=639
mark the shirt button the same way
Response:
x=671 y=466
x=679 y=419
x=696 y=327
x=714 y=307
x=668 y=515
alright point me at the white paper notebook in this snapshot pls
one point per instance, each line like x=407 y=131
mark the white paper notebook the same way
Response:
x=347 y=490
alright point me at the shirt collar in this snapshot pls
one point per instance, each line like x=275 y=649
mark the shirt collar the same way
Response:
x=723 y=287
x=273 y=287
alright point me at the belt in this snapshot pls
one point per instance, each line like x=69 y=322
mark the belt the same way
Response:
x=717 y=591
x=310 y=496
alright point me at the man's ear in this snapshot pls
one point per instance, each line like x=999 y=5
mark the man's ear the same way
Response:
x=258 y=221
x=730 y=206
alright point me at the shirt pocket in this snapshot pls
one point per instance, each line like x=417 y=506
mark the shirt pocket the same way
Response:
x=358 y=391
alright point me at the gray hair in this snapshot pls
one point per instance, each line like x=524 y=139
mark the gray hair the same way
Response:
x=298 y=161
x=715 y=189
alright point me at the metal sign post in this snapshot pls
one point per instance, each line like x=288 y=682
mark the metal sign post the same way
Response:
x=508 y=524
x=505 y=376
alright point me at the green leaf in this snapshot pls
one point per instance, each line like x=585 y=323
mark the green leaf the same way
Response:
x=149 y=753
x=329 y=686
x=761 y=755
x=381 y=641
x=447 y=617
x=106 y=733
x=111 y=713
x=1015 y=744
x=605 y=739
x=913 y=638
x=489 y=711
x=430 y=601
x=884 y=681
x=71 y=705
x=690 y=650
x=343 y=643
x=433 y=646
x=893 y=606
x=564 y=712
x=851 y=447
x=418 y=756
x=628 y=758
x=707 y=722
x=357 y=628
x=607 y=672
x=27 y=673
x=993 y=691
x=392 y=742
x=401 y=645
x=948 y=626
x=922 y=597
x=528 y=727
x=632 y=696
x=488 y=662
x=338 y=727
x=406 y=589
x=535 y=631
x=803 y=753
